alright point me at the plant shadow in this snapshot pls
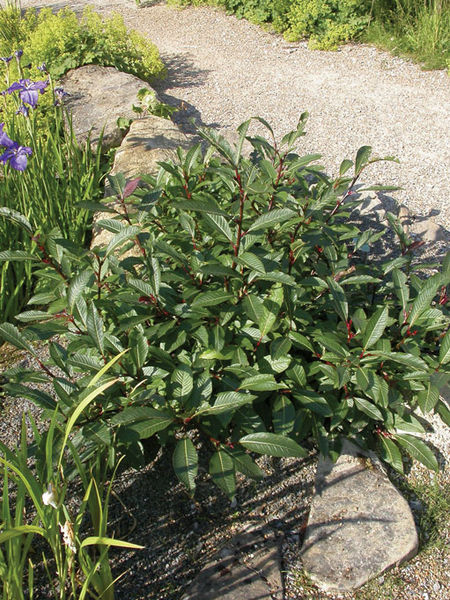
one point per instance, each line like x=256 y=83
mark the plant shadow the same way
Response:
x=180 y=535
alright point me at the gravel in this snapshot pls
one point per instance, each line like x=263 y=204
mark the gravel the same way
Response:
x=223 y=71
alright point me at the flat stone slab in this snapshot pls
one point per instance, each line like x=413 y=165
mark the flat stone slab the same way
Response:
x=359 y=524
x=98 y=96
x=148 y=141
x=247 y=568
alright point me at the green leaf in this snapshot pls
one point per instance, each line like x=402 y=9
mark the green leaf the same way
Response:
x=272 y=444
x=401 y=289
x=16 y=217
x=314 y=402
x=263 y=382
x=105 y=541
x=375 y=327
x=444 y=412
x=362 y=156
x=79 y=409
x=138 y=347
x=428 y=398
x=221 y=468
x=95 y=327
x=368 y=408
x=346 y=164
x=418 y=450
x=273 y=217
x=144 y=420
x=77 y=286
x=185 y=463
x=339 y=299
x=244 y=464
x=207 y=204
x=211 y=298
x=17 y=255
x=9 y=333
x=283 y=415
x=402 y=358
x=18 y=531
x=391 y=454
x=220 y=224
x=424 y=297
x=120 y=238
x=182 y=383
x=253 y=307
x=33 y=315
x=226 y=402
x=444 y=350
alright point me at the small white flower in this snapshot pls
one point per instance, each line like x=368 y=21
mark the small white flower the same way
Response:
x=68 y=535
x=49 y=497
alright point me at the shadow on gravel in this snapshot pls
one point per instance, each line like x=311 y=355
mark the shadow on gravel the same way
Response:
x=181 y=74
x=181 y=534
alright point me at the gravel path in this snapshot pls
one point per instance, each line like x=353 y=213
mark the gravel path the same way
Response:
x=223 y=71
x=226 y=70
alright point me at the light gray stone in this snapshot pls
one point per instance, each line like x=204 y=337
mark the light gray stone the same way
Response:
x=359 y=524
x=247 y=568
x=149 y=140
x=98 y=97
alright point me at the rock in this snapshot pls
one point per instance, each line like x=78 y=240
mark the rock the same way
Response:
x=250 y=569
x=359 y=524
x=149 y=140
x=427 y=230
x=98 y=97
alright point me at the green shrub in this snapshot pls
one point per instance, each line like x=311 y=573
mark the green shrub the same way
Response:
x=63 y=42
x=237 y=297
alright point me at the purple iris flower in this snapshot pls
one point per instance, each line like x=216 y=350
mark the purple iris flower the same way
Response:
x=6 y=59
x=43 y=68
x=28 y=90
x=4 y=139
x=60 y=94
x=23 y=110
x=18 y=53
x=17 y=156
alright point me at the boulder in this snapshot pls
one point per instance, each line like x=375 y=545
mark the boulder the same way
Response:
x=148 y=141
x=248 y=567
x=359 y=525
x=98 y=96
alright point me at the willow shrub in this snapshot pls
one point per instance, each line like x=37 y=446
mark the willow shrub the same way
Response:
x=249 y=320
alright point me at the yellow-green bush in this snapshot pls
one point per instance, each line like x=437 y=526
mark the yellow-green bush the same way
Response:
x=64 y=42
x=327 y=23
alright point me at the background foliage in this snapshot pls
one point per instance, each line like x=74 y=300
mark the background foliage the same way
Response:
x=416 y=28
x=63 y=42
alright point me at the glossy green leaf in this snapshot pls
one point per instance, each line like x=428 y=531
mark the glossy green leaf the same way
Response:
x=272 y=444
x=221 y=468
x=391 y=454
x=283 y=415
x=211 y=298
x=368 y=408
x=272 y=218
x=185 y=463
x=95 y=327
x=428 y=398
x=244 y=463
x=418 y=450
x=375 y=327
x=338 y=298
